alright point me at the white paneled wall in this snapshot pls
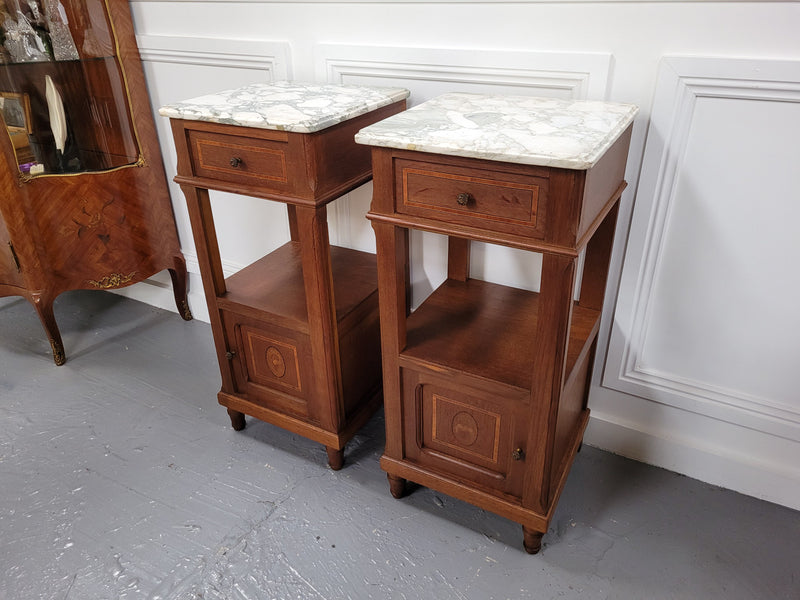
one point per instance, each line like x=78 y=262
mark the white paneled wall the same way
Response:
x=710 y=324
x=698 y=357
x=706 y=320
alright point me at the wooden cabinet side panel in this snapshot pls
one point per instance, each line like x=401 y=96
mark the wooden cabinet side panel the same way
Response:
x=336 y=164
x=596 y=263
x=604 y=181
x=571 y=408
x=360 y=350
x=9 y=273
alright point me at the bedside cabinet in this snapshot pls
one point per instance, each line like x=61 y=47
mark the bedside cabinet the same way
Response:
x=485 y=385
x=296 y=332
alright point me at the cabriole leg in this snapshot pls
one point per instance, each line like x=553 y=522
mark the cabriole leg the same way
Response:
x=44 y=308
x=179 y=288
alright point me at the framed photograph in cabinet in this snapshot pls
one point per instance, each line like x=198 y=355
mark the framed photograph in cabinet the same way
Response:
x=16 y=110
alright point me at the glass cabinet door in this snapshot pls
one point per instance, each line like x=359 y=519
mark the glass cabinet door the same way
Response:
x=63 y=94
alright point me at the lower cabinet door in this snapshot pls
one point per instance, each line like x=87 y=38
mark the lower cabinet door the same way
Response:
x=271 y=365
x=465 y=434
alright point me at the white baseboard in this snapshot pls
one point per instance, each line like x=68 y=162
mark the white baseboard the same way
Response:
x=750 y=475
x=157 y=291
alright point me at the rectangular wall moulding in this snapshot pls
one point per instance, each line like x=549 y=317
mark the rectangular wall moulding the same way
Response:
x=705 y=320
x=429 y=72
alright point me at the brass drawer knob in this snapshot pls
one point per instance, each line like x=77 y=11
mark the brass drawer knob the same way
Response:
x=518 y=454
x=464 y=198
x=236 y=162
x=230 y=354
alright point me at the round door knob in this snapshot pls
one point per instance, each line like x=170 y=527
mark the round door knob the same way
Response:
x=235 y=162
x=464 y=198
x=518 y=454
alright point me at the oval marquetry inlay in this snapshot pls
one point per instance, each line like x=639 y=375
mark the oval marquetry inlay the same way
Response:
x=465 y=428
x=275 y=361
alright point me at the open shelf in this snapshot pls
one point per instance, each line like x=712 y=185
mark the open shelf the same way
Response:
x=487 y=330
x=274 y=284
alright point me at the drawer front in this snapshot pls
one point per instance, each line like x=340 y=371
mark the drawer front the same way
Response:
x=487 y=199
x=271 y=364
x=464 y=434
x=238 y=159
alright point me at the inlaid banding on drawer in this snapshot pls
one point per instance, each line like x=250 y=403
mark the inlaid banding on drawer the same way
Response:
x=467 y=195
x=232 y=158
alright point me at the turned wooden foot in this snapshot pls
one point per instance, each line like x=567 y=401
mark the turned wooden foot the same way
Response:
x=397 y=486
x=179 y=289
x=335 y=458
x=532 y=540
x=44 y=308
x=237 y=419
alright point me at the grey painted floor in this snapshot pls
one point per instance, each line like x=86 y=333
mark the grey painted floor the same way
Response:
x=120 y=477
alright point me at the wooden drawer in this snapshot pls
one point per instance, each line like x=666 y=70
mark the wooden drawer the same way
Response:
x=464 y=435
x=489 y=199
x=241 y=159
x=270 y=364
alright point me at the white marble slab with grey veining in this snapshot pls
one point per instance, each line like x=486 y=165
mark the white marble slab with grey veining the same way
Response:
x=571 y=134
x=286 y=106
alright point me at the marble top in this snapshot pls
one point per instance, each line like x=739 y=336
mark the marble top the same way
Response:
x=286 y=106
x=571 y=134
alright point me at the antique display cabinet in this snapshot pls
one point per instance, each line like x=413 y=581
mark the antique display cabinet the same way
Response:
x=296 y=332
x=84 y=201
x=485 y=385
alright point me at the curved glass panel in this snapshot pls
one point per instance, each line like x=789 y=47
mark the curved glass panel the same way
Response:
x=63 y=97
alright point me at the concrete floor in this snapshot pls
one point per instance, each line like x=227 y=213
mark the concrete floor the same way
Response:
x=120 y=477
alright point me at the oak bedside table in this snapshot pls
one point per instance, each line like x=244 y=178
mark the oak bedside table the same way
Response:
x=485 y=385
x=296 y=332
